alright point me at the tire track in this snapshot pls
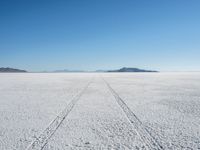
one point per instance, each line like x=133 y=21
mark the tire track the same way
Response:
x=150 y=141
x=40 y=141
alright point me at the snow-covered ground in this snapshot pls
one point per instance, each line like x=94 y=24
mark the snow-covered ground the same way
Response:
x=113 y=111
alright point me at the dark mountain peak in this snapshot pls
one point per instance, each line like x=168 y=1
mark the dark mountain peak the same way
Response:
x=11 y=70
x=126 y=69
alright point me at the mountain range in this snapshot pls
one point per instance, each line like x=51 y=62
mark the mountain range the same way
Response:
x=124 y=69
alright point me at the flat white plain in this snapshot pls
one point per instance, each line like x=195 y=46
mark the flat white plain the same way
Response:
x=167 y=104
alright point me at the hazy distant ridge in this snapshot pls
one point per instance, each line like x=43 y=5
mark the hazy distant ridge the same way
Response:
x=66 y=70
x=11 y=70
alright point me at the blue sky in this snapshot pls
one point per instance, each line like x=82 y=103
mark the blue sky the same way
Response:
x=100 y=34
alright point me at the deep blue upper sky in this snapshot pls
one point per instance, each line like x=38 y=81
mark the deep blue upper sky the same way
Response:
x=100 y=34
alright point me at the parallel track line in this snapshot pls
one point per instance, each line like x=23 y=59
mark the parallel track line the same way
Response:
x=146 y=137
x=39 y=142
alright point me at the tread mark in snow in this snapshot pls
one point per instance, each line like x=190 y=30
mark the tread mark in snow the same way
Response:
x=150 y=141
x=40 y=142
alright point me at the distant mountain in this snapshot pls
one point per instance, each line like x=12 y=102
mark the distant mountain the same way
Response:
x=124 y=69
x=11 y=70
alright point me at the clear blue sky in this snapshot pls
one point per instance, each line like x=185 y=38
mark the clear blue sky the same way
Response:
x=100 y=34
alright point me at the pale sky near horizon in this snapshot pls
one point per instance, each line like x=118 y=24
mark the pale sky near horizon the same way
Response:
x=39 y=35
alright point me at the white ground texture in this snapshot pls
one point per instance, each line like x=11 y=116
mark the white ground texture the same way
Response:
x=61 y=111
